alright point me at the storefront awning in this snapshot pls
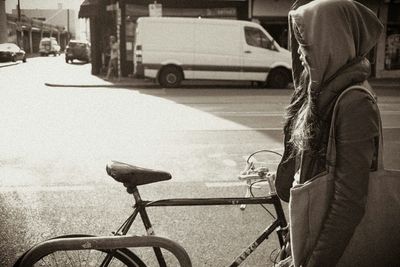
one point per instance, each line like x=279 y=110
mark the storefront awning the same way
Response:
x=89 y=8
x=270 y=9
x=190 y=3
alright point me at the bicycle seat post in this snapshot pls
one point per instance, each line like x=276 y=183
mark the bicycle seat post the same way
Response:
x=128 y=223
x=136 y=195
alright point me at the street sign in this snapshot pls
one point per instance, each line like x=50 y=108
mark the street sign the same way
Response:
x=155 y=10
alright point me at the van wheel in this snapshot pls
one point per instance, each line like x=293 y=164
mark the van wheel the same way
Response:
x=278 y=78
x=170 y=77
x=258 y=84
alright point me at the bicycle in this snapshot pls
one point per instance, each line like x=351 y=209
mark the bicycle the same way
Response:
x=114 y=250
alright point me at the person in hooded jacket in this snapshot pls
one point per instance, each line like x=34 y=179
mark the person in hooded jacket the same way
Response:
x=330 y=40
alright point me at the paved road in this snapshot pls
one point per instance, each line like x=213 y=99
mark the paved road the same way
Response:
x=55 y=143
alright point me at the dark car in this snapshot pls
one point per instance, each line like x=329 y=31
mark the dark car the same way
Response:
x=11 y=52
x=77 y=50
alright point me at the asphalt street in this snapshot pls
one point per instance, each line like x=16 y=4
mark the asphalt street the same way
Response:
x=56 y=141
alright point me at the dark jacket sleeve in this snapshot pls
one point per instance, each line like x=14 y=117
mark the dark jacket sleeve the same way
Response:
x=357 y=129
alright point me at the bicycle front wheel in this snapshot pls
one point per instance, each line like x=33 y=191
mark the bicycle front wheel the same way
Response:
x=83 y=257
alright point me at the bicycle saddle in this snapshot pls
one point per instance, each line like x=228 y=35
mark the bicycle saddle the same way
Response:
x=132 y=176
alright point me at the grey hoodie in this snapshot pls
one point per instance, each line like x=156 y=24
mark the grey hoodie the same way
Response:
x=334 y=33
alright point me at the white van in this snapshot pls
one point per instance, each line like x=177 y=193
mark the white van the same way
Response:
x=173 y=49
x=49 y=45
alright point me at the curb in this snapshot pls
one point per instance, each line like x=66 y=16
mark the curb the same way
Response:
x=9 y=64
x=385 y=85
x=393 y=84
x=93 y=85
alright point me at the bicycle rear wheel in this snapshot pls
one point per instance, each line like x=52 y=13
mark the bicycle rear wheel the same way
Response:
x=84 y=257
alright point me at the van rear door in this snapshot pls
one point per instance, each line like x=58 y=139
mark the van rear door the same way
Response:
x=259 y=54
x=217 y=53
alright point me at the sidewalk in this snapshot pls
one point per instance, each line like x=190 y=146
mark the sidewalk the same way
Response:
x=393 y=83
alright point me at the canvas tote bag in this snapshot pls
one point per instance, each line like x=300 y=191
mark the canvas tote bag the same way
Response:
x=376 y=241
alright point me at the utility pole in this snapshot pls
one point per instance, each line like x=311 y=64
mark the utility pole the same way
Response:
x=68 y=19
x=3 y=22
x=68 y=35
x=19 y=10
x=21 y=41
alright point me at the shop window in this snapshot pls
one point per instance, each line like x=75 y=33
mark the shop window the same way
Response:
x=278 y=31
x=130 y=28
x=392 y=58
x=392 y=53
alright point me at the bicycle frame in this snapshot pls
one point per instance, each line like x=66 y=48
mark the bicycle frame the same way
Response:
x=279 y=224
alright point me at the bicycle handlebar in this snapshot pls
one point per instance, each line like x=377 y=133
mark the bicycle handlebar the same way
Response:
x=253 y=175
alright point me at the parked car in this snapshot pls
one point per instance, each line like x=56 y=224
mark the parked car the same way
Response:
x=77 y=49
x=11 y=52
x=173 y=49
x=49 y=45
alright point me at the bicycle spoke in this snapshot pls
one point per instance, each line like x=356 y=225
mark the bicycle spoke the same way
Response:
x=97 y=260
x=55 y=259
x=87 y=257
x=79 y=260
x=69 y=259
x=45 y=262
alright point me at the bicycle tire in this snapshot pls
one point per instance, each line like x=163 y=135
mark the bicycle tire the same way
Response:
x=125 y=257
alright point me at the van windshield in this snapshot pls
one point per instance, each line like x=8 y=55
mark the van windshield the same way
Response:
x=45 y=42
x=255 y=37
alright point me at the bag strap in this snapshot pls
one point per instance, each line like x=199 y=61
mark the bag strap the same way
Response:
x=331 y=150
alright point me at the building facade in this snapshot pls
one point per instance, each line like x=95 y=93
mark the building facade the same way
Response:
x=66 y=18
x=118 y=17
x=27 y=32
x=385 y=58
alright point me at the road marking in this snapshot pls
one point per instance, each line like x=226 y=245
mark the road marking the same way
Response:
x=391 y=128
x=229 y=162
x=231 y=130
x=391 y=112
x=246 y=114
x=276 y=114
x=46 y=188
x=224 y=184
x=258 y=129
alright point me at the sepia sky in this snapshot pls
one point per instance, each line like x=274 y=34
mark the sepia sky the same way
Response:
x=42 y=4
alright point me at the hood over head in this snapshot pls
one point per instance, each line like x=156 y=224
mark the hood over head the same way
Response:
x=333 y=34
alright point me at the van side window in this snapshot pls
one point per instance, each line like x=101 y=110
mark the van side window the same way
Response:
x=255 y=37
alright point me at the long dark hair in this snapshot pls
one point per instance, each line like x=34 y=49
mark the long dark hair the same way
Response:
x=302 y=122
